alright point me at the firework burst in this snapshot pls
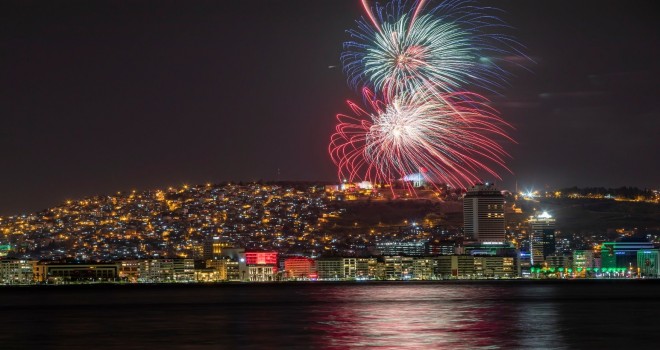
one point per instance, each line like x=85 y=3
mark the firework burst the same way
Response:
x=442 y=136
x=402 y=48
x=421 y=60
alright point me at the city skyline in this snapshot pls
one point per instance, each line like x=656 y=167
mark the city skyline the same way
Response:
x=105 y=97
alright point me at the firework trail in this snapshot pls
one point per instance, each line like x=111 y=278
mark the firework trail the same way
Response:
x=445 y=136
x=447 y=47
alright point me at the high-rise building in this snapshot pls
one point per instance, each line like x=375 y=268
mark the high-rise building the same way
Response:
x=483 y=213
x=541 y=237
x=524 y=264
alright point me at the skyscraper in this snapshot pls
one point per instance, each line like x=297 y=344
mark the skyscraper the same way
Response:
x=541 y=237
x=483 y=213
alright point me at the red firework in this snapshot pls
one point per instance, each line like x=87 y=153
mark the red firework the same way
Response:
x=447 y=138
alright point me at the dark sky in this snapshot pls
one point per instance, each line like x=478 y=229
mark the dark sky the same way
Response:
x=101 y=96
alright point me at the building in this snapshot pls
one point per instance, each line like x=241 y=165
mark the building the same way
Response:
x=622 y=255
x=583 y=262
x=64 y=273
x=330 y=269
x=206 y=275
x=259 y=266
x=490 y=249
x=129 y=270
x=495 y=267
x=411 y=248
x=455 y=266
x=423 y=269
x=541 y=237
x=366 y=269
x=17 y=271
x=524 y=264
x=468 y=266
x=184 y=270
x=214 y=246
x=261 y=273
x=399 y=267
x=300 y=268
x=166 y=270
x=349 y=266
x=442 y=247
x=227 y=269
x=557 y=262
x=483 y=213
x=648 y=263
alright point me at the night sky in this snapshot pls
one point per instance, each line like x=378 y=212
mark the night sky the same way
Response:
x=103 y=96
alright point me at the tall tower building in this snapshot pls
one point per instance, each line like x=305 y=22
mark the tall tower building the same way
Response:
x=483 y=213
x=541 y=237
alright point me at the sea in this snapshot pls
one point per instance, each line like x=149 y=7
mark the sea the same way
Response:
x=599 y=314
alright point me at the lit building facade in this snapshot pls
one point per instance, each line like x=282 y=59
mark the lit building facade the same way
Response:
x=622 y=255
x=64 y=273
x=583 y=262
x=454 y=266
x=349 y=265
x=16 y=271
x=300 y=268
x=330 y=269
x=483 y=214
x=261 y=273
x=412 y=248
x=541 y=237
x=399 y=267
x=213 y=247
x=227 y=269
x=129 y=270
x=524 y=264
x=366 y=268
x=495 y=267
x=259 y=266
x=166 y=270
x=423 y=269
x=648 y=263
x=557 y=261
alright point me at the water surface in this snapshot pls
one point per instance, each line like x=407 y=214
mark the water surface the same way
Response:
x=451 y=315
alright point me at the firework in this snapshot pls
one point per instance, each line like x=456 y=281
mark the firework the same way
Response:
x=401 y=48
x=444 y=136
x=422 y=60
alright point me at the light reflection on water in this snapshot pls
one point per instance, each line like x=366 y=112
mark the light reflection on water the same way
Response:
x=332 y=316
x=422 y=317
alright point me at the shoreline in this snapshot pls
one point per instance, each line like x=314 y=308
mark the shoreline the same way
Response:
x=119 y=285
